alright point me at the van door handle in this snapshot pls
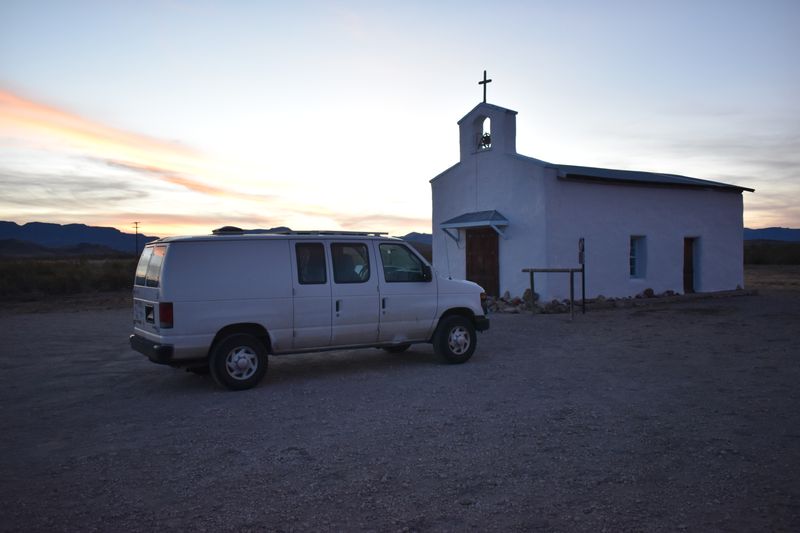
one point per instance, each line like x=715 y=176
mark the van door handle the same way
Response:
x=338 y=303
x=383 y=303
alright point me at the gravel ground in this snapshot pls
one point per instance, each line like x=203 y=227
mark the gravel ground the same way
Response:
x=681 y=416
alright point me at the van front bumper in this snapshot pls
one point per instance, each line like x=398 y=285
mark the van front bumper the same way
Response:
x=481 y=323
x=158 y=353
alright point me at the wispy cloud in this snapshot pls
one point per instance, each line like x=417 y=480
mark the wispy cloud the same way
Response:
x=68 y=193
x=379 y=221
x=66 y=168
x=25 y=115
x=168 y=161
x=176 y=178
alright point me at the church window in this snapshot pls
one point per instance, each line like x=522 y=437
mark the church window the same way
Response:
x=638 y=257
x=485 y=139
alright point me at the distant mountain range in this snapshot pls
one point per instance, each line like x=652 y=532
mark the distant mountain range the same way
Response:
x=772 y=234
x=421 y=238
x=57 y=236
x=41 y=239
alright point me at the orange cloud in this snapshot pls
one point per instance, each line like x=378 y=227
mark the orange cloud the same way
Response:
x=168 y=162
x=27 y=114
x=31 y=120
x=193 y=185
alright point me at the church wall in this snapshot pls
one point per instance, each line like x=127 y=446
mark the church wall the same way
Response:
x=449 y=192
x=547 y=216
x=608 y=215
x=517 y=191
x=491 y=180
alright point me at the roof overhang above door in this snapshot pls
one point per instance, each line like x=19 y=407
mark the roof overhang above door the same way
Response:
x=478 y=219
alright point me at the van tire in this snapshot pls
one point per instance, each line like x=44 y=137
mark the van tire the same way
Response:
x=238 y=361
x=455 y=339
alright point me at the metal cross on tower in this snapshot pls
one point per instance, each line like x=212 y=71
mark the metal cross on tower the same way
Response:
x=484 y=82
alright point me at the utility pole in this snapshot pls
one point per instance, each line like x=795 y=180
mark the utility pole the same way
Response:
x=136 y=242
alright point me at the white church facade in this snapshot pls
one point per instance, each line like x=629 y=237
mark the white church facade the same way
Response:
x=496 y=212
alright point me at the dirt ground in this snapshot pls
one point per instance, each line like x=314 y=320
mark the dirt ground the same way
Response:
x=670 y=416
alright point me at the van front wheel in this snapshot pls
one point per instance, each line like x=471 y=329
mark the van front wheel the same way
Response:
x=455 y=339
x=238 y=361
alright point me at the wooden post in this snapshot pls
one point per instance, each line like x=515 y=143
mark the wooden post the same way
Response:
x=571 y=294
x=583 y=289
x=532 y=293
x=571 y=272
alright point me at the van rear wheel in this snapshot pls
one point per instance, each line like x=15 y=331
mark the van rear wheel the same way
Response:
x=238 y=361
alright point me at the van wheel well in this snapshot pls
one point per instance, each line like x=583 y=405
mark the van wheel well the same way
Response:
x=256 y=330
x=459 y=311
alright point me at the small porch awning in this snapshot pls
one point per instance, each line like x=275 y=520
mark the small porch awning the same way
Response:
x=479 y=219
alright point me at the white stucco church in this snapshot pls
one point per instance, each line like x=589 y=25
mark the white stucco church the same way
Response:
x=496 y=212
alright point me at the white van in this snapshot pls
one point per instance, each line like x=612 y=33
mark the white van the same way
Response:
x=222 y=302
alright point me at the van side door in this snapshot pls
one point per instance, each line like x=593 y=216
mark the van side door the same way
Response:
x=409 y=295
x=354 y=293
x=311 y=287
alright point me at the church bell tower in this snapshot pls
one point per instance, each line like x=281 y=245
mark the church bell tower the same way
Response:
x=488 y=128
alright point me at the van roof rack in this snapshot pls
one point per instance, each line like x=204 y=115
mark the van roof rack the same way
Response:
x=233 y=230
x=318 y=232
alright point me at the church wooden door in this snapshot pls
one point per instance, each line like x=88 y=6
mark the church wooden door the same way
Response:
x=483 y=265
x=688 y=265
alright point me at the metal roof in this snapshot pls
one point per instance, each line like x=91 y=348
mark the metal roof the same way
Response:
x=608 y=175
x=472 y=220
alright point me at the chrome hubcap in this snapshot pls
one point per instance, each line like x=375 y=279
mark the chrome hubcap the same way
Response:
x=241 y=362
x=458 y=340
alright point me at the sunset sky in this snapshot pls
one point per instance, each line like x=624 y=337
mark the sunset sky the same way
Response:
x=190 y=115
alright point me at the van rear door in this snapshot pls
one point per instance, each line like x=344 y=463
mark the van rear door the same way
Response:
x=146 y=289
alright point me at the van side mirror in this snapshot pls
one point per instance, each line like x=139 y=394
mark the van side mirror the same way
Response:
x=427 y=275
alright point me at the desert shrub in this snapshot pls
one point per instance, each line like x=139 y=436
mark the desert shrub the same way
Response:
x=29 y=278
x=771 y=253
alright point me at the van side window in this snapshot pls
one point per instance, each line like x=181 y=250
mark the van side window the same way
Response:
x=311 y=264
x=400 y=264
x=350 y=262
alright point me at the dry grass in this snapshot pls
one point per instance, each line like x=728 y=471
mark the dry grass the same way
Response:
x=24 y=280
x=772 y=277
x=115 y=291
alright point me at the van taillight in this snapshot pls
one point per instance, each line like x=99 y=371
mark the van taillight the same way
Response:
x=165 y=317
